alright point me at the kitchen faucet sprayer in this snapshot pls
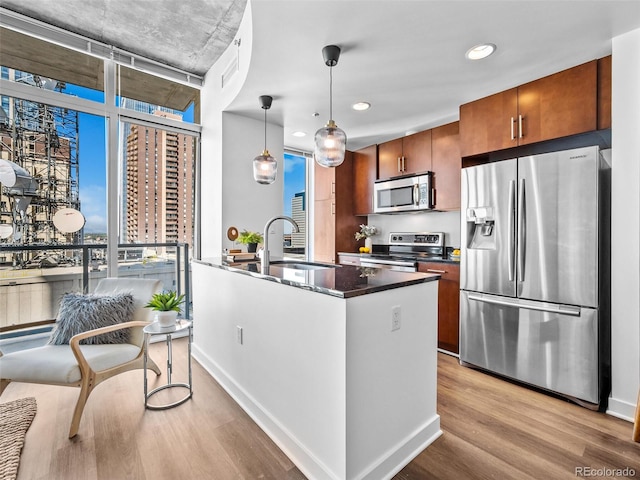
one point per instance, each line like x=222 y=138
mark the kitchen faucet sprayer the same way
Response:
x=265 y=253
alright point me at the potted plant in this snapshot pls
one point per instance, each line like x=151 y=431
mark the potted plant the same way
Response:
x=250 y=239
x=167 y=306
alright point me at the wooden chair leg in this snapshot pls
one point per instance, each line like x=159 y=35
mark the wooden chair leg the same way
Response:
x=4 y=383
x=151 y=365
x=636 y=423
x=85 y=390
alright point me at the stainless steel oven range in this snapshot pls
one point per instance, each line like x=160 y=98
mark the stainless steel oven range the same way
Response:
x=405 y=249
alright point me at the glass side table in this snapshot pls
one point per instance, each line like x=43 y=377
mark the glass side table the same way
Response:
x=155 y=329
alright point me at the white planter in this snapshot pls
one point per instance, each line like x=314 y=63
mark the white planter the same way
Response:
x=368 y=242
x=167 y=319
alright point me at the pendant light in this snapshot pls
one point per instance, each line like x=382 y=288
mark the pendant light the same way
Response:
x=330 y=141
x=265 y=166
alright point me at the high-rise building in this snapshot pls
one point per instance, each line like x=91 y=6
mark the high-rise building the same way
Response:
x=159 y=185
x=299 y=214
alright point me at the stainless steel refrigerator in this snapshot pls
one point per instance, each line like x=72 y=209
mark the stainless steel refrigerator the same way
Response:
x=534 y=271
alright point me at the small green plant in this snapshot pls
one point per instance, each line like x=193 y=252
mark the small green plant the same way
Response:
x=248 y=237
x=165 y=302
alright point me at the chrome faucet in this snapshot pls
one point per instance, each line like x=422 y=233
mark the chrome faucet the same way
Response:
x=265 y=252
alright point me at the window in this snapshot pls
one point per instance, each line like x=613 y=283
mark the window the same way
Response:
x=295 y=202
x=39 y=64
x=53 y=123
x=63 y=152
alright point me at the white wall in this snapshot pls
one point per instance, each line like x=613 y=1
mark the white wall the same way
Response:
x=625 y=225
x=230 y=142
x=247 y=204
x=447 y=222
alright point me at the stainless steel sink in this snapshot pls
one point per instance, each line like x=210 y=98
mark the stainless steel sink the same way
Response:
x=300 y=265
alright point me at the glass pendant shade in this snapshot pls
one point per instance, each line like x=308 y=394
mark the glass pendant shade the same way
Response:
x=330 y=141
x=330 y=145
x=265 y=168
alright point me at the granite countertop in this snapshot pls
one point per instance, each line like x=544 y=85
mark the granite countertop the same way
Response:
x=344 y=281
x=445 y=259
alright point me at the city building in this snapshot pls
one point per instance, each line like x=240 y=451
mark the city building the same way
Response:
x=159 y=166
x=299 y=214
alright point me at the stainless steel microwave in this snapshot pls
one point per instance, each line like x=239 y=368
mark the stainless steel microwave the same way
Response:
x=407 y=194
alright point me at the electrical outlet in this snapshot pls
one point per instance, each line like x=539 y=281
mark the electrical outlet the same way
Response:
x=239 y=334
x=395 y=318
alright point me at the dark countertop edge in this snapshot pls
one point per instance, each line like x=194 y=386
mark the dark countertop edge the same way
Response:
x=419 y=260
x=318 y=289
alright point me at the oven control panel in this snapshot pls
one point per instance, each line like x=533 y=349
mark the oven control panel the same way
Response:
x=427 y=239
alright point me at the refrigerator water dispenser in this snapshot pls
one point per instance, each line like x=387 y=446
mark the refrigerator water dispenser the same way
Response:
x=480 y=228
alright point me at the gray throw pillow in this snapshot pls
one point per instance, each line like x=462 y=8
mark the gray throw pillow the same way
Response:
x=79 y=313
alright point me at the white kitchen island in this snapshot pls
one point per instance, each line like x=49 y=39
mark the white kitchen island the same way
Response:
x=312 y=358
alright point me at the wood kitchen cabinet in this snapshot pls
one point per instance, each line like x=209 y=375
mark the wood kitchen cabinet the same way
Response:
x=334 y=222
x=405 y=156
x=604 y=93
x=448 y=303
x=555 y=106
x=364 y=177
x=446 y=166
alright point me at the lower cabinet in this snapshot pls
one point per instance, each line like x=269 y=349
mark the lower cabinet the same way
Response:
x=345 y=259
x=448 y=303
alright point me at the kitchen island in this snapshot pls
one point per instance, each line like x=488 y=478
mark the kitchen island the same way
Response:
x=337 y=365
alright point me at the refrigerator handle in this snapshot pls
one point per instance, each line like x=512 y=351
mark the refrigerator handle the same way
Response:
x=511 y=256
x=559 y=309
x=522 y=221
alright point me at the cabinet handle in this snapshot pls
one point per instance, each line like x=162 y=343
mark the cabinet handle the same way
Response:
x=520 y=132
x=403 y=167
x=399 y=170
x=430 y=270
x=512 y=133
x=333 y=209
x=333 y=188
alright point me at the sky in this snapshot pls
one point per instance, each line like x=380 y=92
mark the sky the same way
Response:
x=91 y=154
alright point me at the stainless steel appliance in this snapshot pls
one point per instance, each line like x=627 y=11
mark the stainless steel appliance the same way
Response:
x=404 y=250
x=533 y=278
x=406 y=194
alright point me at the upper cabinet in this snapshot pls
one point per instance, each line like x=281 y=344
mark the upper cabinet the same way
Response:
x=604 y=93
x=405 y=156
x=555 y=106
x=447 y=163
x=334 y=222
x=364 y=177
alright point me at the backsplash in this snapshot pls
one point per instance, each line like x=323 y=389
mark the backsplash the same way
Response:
x=447 y=222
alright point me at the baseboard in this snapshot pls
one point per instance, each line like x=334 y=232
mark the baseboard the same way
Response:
x=401 y=455
x=385 y=467
x=621 y=409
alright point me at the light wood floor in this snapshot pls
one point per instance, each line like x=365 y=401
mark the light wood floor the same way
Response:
x=492 y=430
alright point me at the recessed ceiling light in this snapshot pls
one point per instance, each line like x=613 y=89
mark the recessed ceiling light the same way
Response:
x=299 y=134
x=361 y=106
x=480 y=51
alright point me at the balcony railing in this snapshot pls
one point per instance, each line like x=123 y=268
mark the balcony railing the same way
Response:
x=33 y=278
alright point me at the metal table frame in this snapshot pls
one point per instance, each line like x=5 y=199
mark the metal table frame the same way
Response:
x=155 y=329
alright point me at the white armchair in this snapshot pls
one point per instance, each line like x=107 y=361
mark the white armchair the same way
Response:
x=86 y=366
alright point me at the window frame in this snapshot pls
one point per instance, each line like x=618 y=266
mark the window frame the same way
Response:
x=113 y=115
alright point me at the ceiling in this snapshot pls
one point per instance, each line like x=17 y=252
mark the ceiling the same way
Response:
x=406 y=58
x=187 y=34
